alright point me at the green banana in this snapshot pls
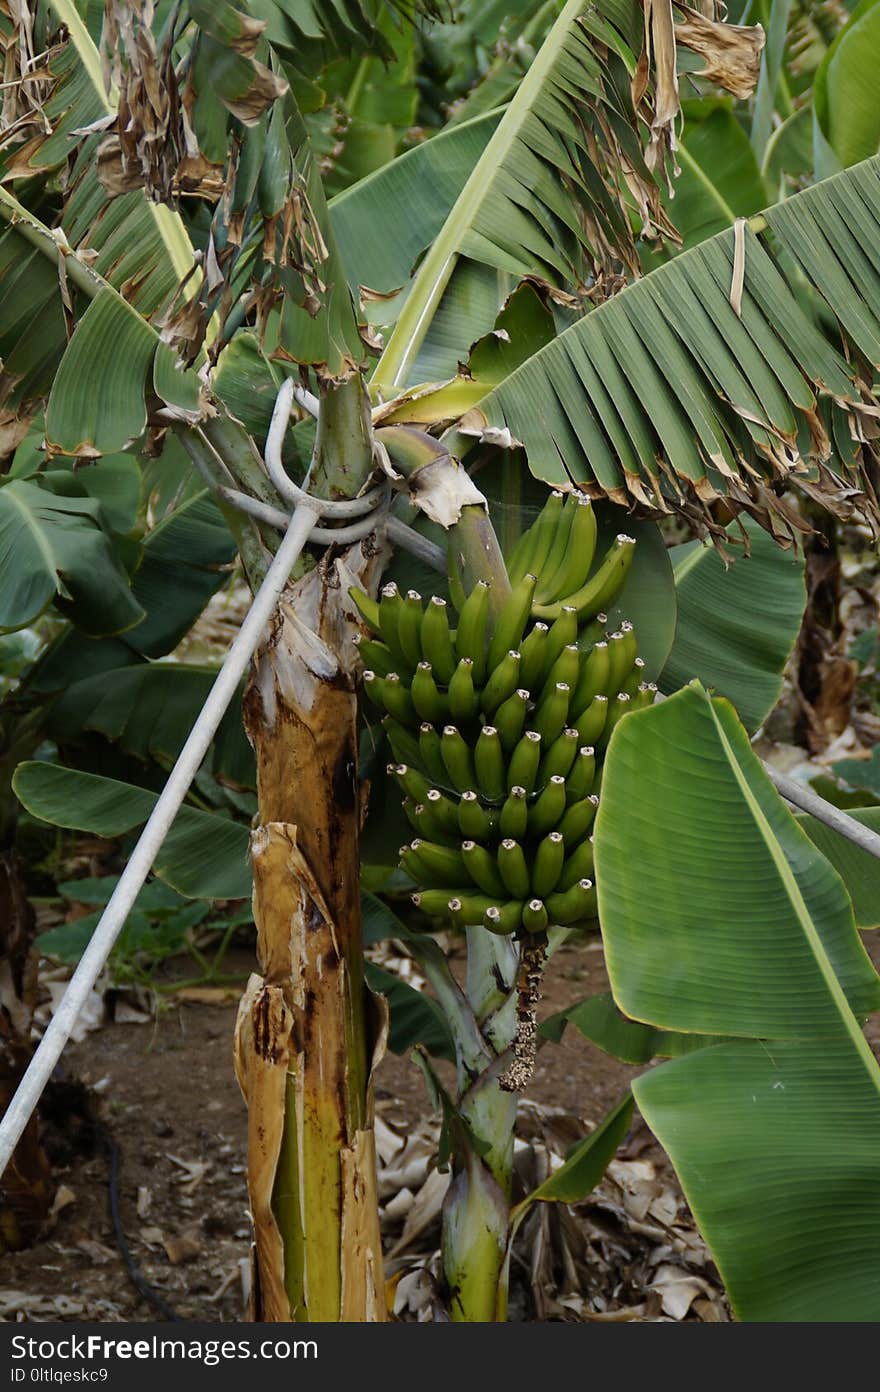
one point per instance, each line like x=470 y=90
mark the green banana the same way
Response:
x=522 y=770
x=551 y=716
x=374 y=686
x=434 y=902
x=470 y=636
x=504 y=919
x=559 y=757
x=567 y=667
x=578 y=865
x=548 y=807
x=443 y=810
x=547 y=864
x=578 y=819
x=533 y=655
x=514 y=817
x=444 y=864
x=574 y=567
x=367 y=608
x=629 y=633
x=594 y=632
x=583 y=772
x=502 y=682
x=511 y=622
x=375 y=656
x=436 y=639
x=398 y=701
x=475 y=822
x=482 y=868
x=571 y=905
x=634 y=678
x=510 y=718
x=462 y=696
x=620 y=662
x=429 y=827
x=645 y=696
x=413 y=783
x=429 y=702
x=556 y=553
x=409 y=627
x=513 y=868
x=541 y=536
x=617 y=708
x=458 y=759
x=593 y=678
x=563 y=632
x=489 y=763
x=535 y=917
x=601 y=589
x=591 y=722
x=390 y=606
x=469 y=909
x=415 y=868
x=431 y=754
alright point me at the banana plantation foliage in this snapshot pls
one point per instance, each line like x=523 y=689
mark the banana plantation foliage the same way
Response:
x=542 y=335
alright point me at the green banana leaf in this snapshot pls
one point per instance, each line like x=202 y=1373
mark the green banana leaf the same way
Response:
x=736 y=627
x=149 y=709
x=185 y=560
x=859 y=870
x=584 y=1165
x=771 y=73
x=665 y=394
x=203 y=857
x=598 y=1019
x=518 y=211
x=55 y=549
x=719 y=180
x=736 y=925
x=846 y=118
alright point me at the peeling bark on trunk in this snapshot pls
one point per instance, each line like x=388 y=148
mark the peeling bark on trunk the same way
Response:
x=302 y=1055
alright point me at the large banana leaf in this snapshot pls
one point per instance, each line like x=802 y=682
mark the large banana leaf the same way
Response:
x=669 y=397
x=185 y=560
x=719 y=180
x=101 y=378
x=203 y=856
x=737 y=624
x=149 y=709
x=546 y=196
x=734 y=924
x=55 y=549
x=846 y=118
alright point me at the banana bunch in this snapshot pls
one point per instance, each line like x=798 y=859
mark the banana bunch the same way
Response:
x=498 y=732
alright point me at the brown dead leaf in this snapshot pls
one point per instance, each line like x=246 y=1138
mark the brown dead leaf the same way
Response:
x=184 y=1248
x=732 y=52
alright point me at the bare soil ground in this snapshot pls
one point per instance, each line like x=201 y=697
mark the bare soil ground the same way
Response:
x=165 y=1093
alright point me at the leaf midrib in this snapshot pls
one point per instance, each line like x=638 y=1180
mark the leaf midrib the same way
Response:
x=798 y=903
x=437 y=267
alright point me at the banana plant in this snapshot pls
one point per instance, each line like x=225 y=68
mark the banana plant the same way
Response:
x=716 y=377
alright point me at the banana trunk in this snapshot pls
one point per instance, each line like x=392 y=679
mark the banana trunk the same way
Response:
x=305 y=1043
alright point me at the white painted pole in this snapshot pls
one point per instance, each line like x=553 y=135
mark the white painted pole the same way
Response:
x=150 y=840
